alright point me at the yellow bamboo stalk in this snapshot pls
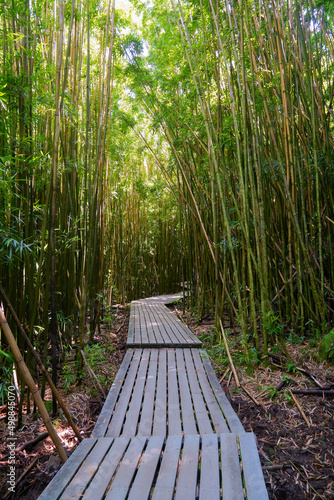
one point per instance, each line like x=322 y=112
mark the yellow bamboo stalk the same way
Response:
x=32 y=386
x=236 y=378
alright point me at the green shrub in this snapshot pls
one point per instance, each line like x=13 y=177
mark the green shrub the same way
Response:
x=326 y=347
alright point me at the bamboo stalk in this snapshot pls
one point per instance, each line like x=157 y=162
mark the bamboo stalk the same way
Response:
x=300 y=409
x=31 y=384
x=40 y=364
x=236 y=378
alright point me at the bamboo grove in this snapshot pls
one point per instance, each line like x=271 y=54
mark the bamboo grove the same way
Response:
x=190 y=143
x=78 y=227
x=242 y=92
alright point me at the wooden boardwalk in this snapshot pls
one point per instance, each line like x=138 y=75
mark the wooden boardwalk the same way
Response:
x=166 y=430
x=153 y=324
x=163 y=392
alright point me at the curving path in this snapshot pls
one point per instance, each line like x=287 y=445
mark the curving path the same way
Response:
x=166 y=430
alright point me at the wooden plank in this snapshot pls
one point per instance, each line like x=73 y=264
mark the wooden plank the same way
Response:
x=137 y=337
x=187 y=481
x=254 y=481
x=231 y=417
x=103 y=476
x=164 y=488
x=132 y=416
x=230 y=467
x=151 y=338
x=167 y=333
x=143 y=327
x=188 y=417
x=56 y=487
x=216 y=413
x=146 y=418
x=155 y=327
x=131 y=328
x=174 y=418
x=101 y=425
x=209 y=479
x=184 y=334
x=119 y=413
x=160 y=410
x=164 y=299
x=203 y=420
x=170 y=326
x=142 y=484
x=87 y=470
x=124 y=476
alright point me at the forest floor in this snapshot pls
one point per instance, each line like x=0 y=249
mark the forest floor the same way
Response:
x=297 y=459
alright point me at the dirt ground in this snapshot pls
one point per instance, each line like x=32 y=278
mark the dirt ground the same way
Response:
x=82 y=403
x=297 y=457
x=296 y=452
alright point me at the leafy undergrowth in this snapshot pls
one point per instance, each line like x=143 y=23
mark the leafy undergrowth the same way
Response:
x=297 y=459
x=82 y=401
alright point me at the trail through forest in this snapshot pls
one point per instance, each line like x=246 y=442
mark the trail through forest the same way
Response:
x=150 y=146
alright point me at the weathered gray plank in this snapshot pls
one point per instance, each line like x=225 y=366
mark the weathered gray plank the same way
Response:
x=255 y=485
x=160 y=411
x=184 y=334
x=85 y=474
x=119 y=413
x=187 y=481
x=137 y=336
x=230 y=467
x=131 y=328
x=203 y=420
x=167 y=333
x=164 y=488
x=142 y=484
x=150 y=319
x=216 y=413
x=230 y=415
x=103 y=476
x=170 y=326
x=101 y=425
x=146 y=418
x=174 y=418
x=127 y=469
x=132 y=416
x=209 y=479
x=143 y=327
x=68 y=470
x=188 y=417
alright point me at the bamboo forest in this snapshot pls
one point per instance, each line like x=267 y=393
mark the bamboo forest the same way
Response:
x=149 y=147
